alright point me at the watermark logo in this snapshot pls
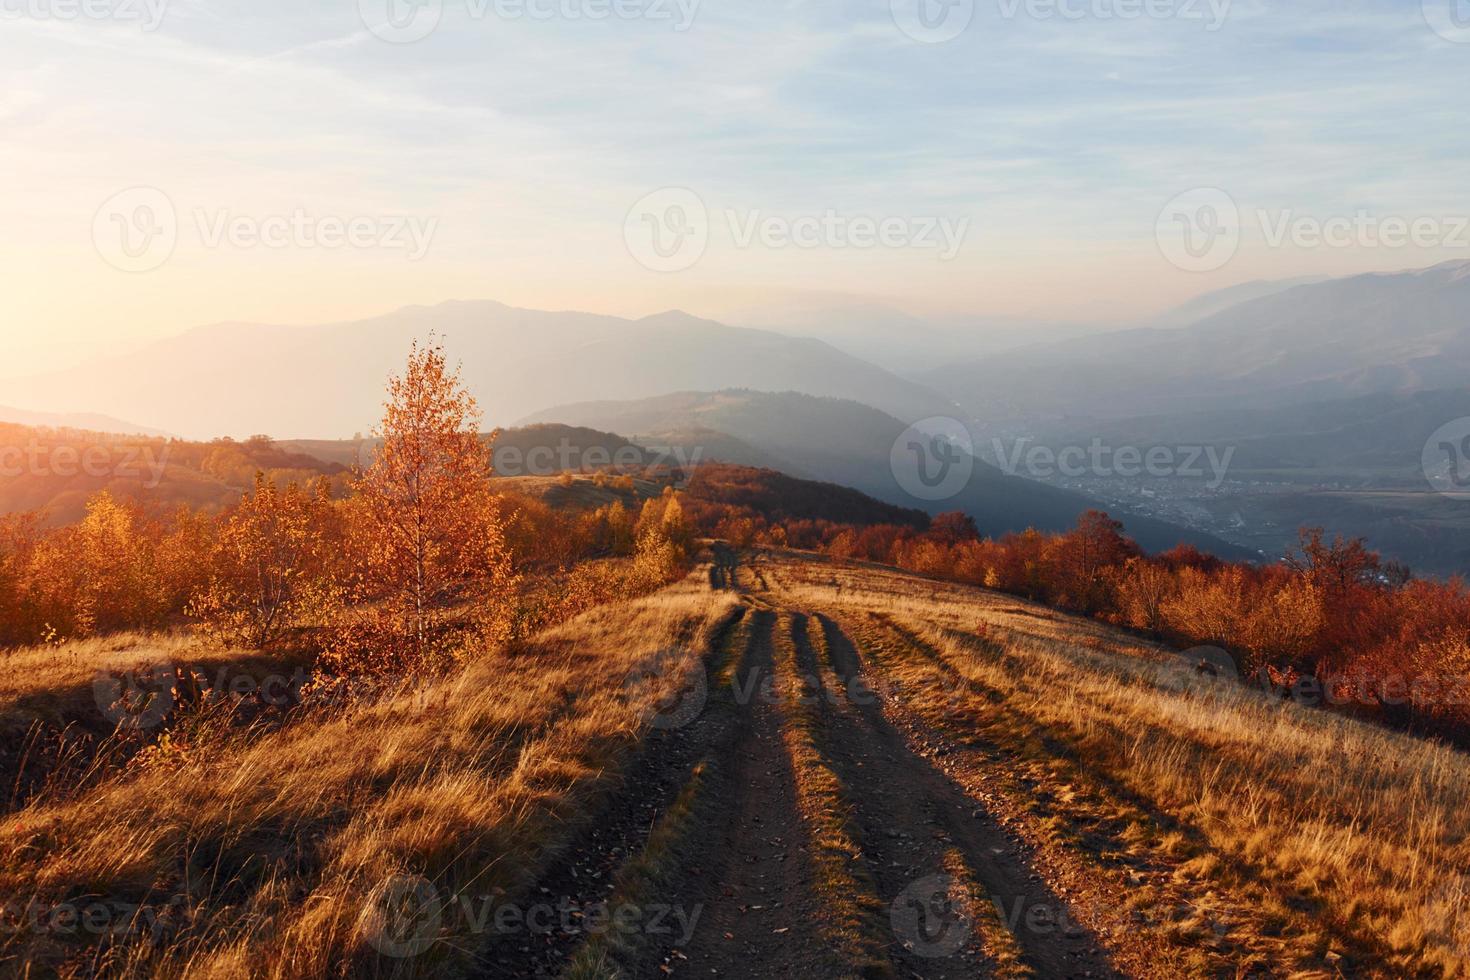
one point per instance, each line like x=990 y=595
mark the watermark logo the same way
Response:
x=938 y=21
x=1450 y=19
x=1447 y=457
x=1098 y=459
x=932 y=917
x=406 y=916
x=401 y=21
x=1211 y=13
x=407 y=21
x=682 y=688
x=136 y=700
x=1198 y=669
x=933 y=21
x=565 y=457
x=403 y=917
x=136 y=230
x=1199 y=230
x=148 y=14
x=99 y=917
x=668 y=230
x=48 y=460
x=1363 y=229
x=831 y=229
x=933 y=459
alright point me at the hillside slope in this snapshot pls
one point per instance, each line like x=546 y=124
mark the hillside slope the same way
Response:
x=55 y=471
x=780 y=762
x=850 y=444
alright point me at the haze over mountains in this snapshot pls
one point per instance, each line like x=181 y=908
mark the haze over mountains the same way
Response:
x=1337 y=339
x=324 y=380
x=848 y=443
x=1259 y=345
x=1322 y=391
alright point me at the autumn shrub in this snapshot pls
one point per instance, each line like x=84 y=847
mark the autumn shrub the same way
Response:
x=270 y=566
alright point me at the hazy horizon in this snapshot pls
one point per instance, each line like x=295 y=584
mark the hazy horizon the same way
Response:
x=176 y=164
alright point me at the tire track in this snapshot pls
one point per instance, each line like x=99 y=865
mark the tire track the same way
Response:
x=761 y=917
x=916 y=821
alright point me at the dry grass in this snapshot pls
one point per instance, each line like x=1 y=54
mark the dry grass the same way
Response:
x=259 y=855
x=1322 y=835
x=54 y=684
x=1280 y=840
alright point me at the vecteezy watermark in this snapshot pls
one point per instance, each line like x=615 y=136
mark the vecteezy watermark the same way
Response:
x=1201 y=230
x=933 y=459
x=682 y=692
x=670 y=229
x=1447 y=458
x=137 y=230
x=1097 y=459
x=680 y=686
x=547 y=460
x=47 y=459
x=1450 y=19
x=937 y=21
x=136 y=699
x=1211 y=14
x=91 y=917
x=1197 y=669
x=933 y=21
x=1363 y=229
x=1207 y=668
x=148 y=14
x=405 y=916
x=146 y=697
x=407 y=21
x=934 y=917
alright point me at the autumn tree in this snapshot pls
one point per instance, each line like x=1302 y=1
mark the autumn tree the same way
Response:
x=18 y=535
x=434 y=566
x=269 y=566
x=1085 y=554
x=953 y=527
x=609 y=530
x=99 y=575
x=664 y=539
x=1208 y=608
x=1142 y=587
x=1334 y=566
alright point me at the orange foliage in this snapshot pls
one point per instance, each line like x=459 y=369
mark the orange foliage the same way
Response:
x=270 y=565
x=434 y=573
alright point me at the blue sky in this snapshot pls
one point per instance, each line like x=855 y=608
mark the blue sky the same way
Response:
x=1055 y=134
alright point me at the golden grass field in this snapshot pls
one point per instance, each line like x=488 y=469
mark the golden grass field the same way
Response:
x=819 y=768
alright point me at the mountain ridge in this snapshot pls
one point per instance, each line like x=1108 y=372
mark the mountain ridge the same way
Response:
x=515 y=361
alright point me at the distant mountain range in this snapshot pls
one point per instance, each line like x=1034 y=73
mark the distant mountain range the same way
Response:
x=1318 y=387
x=848 y=443
x=1319 y=341
x=327 y=381
x=81 y=421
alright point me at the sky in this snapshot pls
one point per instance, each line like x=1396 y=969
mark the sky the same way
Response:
x=167 y=164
